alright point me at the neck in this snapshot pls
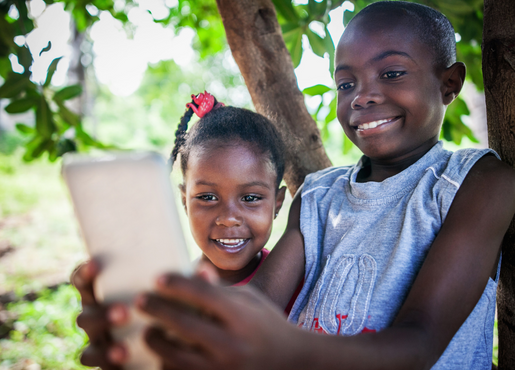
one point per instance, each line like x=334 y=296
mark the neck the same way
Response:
x=230 y=277
x=380 y=169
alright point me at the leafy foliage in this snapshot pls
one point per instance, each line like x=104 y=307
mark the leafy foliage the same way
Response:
x=58 y=129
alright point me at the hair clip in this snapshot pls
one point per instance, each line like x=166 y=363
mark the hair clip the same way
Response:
x=205 y=102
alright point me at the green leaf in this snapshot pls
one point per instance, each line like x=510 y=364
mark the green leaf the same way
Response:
x=67 y=115
x=317 y=9
x=14 y=85
x=288 y=27
x=24 y=129
x=45 y=145
x=453 y=128
x=25 y=58
x=51 y=71
x=336 y=4
x=331 y=116
x=45 y=124
x=329 y=47
x=317 y=43
x=30 y=146
x=65 y=146
x=316 y=90
x=5 y=67
x=68 y=92
x=21 y=105
x=293 y=42
x=286 y=9
x=47 y=48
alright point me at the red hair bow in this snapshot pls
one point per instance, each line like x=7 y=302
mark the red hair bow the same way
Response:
x=205 y=102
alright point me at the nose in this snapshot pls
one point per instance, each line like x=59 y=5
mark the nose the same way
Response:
x=367 y=94
x=229 y=216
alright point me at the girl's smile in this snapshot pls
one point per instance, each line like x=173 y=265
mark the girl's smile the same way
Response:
x=231 y=245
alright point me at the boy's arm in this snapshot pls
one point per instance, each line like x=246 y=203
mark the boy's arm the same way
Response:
x=453 y=277
x=464 y=255
x=249 y=333
x=283 y=269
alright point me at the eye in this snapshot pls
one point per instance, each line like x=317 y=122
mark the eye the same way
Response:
x=251 y=198
x=206 y=197
x=346 y=86
x=393 y=74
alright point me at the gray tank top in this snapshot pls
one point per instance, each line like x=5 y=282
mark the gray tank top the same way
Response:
x=365 y=243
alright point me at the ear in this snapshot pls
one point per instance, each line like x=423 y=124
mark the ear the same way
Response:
x=183 y=197
x=279 y=199
x=453 y=79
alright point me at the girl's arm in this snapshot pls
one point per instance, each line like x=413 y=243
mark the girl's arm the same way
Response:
x=245 y=331
x=283 y=269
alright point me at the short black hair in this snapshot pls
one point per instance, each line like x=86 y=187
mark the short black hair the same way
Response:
x=432 y=27
x=225 y=125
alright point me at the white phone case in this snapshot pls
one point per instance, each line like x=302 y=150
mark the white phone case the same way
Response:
x=129 y=221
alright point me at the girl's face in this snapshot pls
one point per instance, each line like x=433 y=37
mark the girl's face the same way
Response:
x=231 y=199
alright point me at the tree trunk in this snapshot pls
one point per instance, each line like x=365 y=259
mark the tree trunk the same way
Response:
x=260 y=52
x=499 y=79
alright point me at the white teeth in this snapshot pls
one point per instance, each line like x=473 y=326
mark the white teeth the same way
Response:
x=231 y=243
x=373 y=124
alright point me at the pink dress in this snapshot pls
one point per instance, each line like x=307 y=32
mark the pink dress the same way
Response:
x=264 y=254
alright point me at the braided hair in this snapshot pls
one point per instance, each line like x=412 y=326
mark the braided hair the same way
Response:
x=227 y=124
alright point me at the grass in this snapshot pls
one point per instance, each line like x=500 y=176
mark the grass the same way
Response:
x=44 y=332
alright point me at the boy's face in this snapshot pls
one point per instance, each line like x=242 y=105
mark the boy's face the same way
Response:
x=231 y=200
x=389 y=92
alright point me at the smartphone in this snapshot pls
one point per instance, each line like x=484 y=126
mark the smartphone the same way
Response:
x=130 y=224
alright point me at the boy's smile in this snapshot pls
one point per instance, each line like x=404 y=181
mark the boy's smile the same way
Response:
x=391 y=99
x=231 y=197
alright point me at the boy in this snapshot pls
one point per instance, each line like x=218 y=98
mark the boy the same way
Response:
x=402 y=249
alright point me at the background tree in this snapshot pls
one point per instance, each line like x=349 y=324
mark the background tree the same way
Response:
x=499 y=80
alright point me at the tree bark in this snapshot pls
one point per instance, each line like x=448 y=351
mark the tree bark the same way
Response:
x=265 y=63
x=499 y=78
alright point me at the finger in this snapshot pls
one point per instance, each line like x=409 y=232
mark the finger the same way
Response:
x=207 y=272
x=173 y=354
x=184 y=322
x=98 y=356
x=97 y=320
x=214 y=300
x=82 y=279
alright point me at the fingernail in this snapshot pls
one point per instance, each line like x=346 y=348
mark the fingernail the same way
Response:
x=141 y=300
x=117 y=354
x=117 y=314
x=162 y=280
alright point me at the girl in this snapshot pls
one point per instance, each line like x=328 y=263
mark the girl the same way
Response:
x=232 y=163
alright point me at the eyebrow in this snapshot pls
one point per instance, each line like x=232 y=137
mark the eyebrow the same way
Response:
x=248 y=184
x=383 y=55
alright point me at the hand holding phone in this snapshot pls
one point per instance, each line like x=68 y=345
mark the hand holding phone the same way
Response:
x=130 y=225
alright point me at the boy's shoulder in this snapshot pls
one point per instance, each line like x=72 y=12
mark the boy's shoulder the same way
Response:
x=326 y=177
x=494 y=174
x=465 y=162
